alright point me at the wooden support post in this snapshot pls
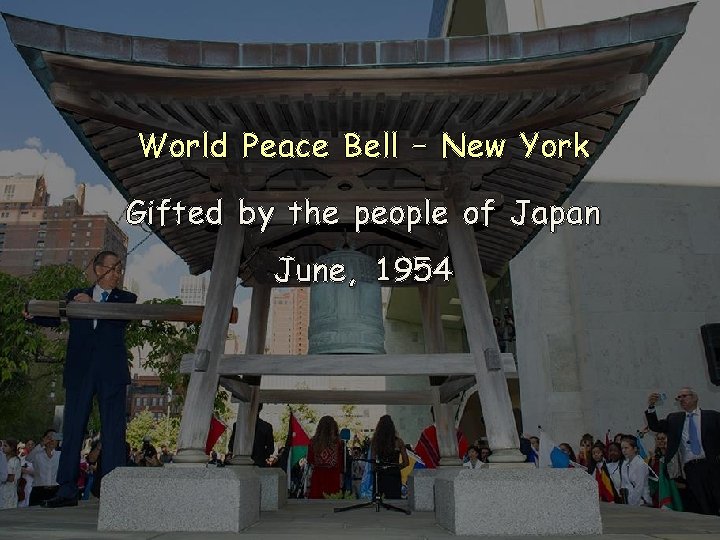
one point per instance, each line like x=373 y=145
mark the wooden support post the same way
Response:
x=203 y=385
x=248 y=411
x=432 y=323
x=492 y=386
x=434 y=338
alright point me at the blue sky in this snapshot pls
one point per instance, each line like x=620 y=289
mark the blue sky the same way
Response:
x=33 y=136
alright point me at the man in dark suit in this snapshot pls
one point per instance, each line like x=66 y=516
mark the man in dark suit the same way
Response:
x=96 y=363
x=695 y=434
x=263 y=443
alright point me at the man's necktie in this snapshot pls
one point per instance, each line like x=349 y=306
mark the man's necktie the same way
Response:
x=104 y=296
x=693 y=438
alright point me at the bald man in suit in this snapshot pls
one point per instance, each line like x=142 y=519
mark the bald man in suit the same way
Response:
x=695 y=434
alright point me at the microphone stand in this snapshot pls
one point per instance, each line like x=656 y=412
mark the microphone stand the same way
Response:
x=377 y=499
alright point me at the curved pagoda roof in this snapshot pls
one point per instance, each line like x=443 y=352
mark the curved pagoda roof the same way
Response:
x=557 y=81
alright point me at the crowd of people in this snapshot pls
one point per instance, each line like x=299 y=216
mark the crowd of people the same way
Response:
x=682 y=472
x=685 y=461
x=29 y=471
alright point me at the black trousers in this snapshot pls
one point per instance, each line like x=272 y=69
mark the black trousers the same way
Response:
x=703 y=481
x=39 y=494
x=78 y=405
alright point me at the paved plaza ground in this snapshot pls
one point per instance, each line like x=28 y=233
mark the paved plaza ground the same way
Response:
x=315 y=520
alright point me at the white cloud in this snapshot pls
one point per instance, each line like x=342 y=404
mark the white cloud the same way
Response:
x=143 y=267
x=100 y=199
x=60 y=177
x=34 y=142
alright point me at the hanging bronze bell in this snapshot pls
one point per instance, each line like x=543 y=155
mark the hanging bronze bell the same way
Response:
x=345 y=319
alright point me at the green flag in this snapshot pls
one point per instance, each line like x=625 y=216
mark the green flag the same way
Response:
x=666 y=490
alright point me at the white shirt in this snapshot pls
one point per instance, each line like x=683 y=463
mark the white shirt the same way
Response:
x=635 y=479
x=3 y=467
x=28 y=474
x=45 y=466
x=686 y=452
x=614 y=472
x=469 y=464
x=97 y=297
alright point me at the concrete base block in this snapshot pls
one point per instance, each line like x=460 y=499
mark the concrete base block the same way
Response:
x=273 y=488
x=179 y=499
x=421 y=490
x=517 y=502
x=508 y=465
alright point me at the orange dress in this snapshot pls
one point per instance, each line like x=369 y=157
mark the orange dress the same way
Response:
x=327 y=470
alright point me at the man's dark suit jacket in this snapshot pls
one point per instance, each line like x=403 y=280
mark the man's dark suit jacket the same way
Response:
x=101 y=349
x=264 y=444
x=673 y=426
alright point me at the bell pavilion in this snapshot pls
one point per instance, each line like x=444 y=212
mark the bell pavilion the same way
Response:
x=561 y=83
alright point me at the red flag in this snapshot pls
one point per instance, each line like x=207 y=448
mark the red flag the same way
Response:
x=217 y=428
x=428 y=450
x=298 y=437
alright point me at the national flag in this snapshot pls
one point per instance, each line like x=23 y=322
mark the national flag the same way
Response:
x=668 y=496
x=605 y=486
x=366 y=484
x=298 y=441
x=415 y=462
x=296 y=446
x=559 y=459
x=428 y=450
x=640 y=447
x=550 y=454
x=216 y=430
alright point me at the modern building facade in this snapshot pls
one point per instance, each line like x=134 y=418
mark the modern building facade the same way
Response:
x=607 y=314
x=193 y=290
x=289 y=320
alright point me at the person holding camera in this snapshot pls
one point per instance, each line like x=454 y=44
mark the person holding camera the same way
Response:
x=695 y=434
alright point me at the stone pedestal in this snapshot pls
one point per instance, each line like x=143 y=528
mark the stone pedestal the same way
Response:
x=273 y=488
x=179 y=498
x=421 y=490
x=517 y=502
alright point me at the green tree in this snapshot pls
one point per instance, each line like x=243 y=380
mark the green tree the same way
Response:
x=21 y=343
x=349 y=419
x=167 y=343
x=31 y=356
x=163 y=431
x=140 y=427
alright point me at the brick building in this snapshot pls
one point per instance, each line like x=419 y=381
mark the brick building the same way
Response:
x=147 y=392
x=34 y=234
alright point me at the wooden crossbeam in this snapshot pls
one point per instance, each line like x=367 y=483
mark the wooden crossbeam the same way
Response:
x=346 y=397
x=116 y=310
x=341 y=364
x=349 y=397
